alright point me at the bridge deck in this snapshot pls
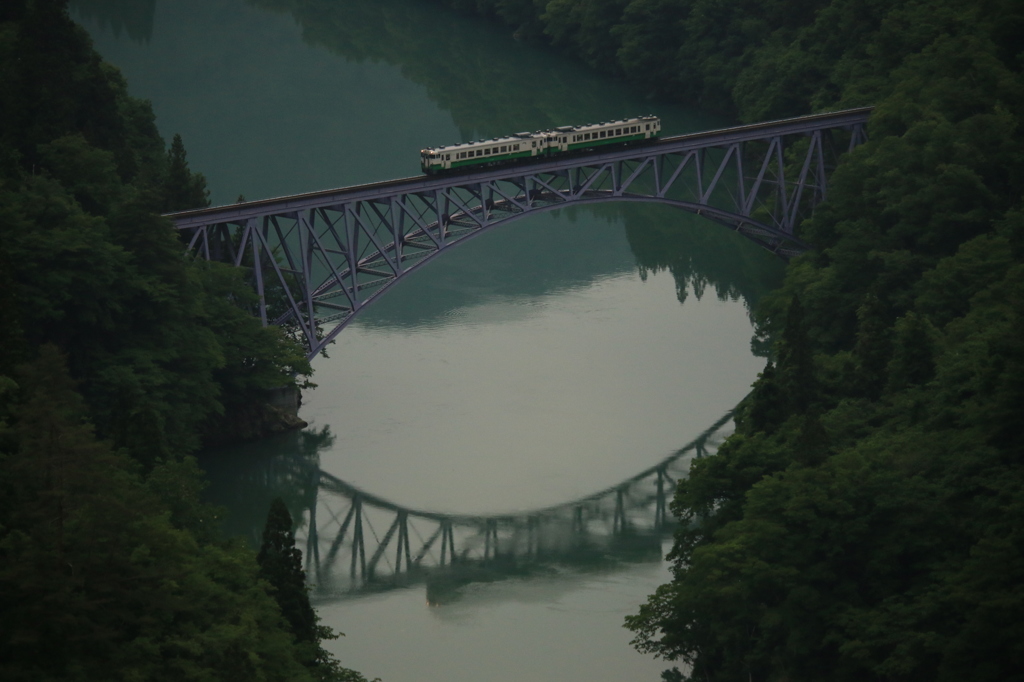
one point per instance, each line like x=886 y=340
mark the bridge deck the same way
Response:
x=386 y=188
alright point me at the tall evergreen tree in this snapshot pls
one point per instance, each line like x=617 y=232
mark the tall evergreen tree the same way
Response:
x=183 y=189
x=281 y=565
x=795 y=369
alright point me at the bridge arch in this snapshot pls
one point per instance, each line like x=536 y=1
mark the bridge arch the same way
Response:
x=317 y=259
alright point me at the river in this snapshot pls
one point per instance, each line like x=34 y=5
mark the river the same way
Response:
x=554 y=357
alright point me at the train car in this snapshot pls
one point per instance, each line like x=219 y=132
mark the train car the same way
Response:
x=613 y=132
x=483 y=153
x=501 y=150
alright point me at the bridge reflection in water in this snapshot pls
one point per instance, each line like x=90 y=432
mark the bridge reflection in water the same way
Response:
x=357 y=542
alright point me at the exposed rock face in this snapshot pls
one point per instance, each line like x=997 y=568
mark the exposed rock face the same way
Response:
x=275 y=413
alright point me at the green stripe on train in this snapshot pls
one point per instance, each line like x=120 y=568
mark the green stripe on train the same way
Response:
x=481 y=160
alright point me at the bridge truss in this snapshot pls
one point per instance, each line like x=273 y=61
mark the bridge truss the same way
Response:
x=317 y=259
x=358 y=542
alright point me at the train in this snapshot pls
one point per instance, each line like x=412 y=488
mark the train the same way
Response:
x=561 y=140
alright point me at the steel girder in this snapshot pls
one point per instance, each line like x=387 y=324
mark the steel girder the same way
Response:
x=317 y=259
x=356 y=540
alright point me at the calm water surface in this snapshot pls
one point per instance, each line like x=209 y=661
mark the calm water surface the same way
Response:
x=533 y=365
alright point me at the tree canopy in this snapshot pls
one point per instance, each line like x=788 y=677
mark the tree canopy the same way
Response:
x=863 y=522
x=116 y=355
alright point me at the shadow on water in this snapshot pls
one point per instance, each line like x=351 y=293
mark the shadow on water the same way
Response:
x=133 y=17
x=246 y=478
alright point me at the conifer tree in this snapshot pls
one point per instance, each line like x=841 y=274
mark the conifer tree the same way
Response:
x=913 y=361
x=183 y=189
x=765 y=405
x=281 y=565
x=874 y=346
x=795 y=368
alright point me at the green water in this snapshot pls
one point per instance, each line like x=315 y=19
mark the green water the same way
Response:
x=535 y=364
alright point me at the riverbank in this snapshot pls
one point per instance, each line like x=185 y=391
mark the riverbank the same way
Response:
x=274 y=412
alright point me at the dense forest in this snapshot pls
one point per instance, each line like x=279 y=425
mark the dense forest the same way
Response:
x=118 y=357
x=866 y=520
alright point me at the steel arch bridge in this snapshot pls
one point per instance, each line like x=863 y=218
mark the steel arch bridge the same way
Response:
x=357 y=542
x=317 y=259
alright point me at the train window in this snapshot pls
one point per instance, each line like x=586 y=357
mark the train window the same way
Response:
x=587 y=136
x=447 y=157
x=504 y=149
x=603 y=134
x=648 y=126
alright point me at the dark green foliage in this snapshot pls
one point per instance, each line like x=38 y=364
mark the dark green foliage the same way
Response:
x=913 y=358
x=873 y=349
x=182 y=189
x=281 y=566
x=162 y=345
x=864 y=521
x=99 y=579
x=110 y=565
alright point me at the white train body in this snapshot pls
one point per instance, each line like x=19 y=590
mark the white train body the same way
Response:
x=501 y=150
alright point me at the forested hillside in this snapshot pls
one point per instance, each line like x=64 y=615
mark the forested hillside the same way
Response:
x=116 y=354
x=866 y=521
